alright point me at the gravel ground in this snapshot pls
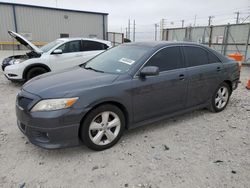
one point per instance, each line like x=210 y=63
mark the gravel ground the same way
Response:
x=198 y=149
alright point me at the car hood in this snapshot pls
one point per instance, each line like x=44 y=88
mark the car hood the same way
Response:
x=67 y=82
x=24 y=42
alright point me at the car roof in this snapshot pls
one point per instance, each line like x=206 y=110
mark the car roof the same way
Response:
x=90 y=39
x=160 y=44
x=156 y=45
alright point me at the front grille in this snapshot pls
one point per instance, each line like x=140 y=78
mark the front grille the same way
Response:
x=5 y=63
x=24 y=102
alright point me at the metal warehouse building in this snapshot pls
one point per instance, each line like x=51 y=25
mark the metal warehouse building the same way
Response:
x=44 y=24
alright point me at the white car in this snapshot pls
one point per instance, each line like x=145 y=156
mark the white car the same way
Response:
x=60 y=54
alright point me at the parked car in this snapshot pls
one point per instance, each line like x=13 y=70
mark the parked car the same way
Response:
x=123 y=88
x=57 y=55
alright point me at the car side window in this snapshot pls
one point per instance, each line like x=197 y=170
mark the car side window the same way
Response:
x=167 y=59
x=72 y=46
x=196 y=56
x=92 y=45
x=213 y=58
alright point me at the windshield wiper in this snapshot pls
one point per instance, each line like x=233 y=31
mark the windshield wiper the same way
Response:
x=90 y=68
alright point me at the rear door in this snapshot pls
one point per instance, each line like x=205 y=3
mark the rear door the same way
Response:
x=204 y=71
x=71 y=55
x=165 y=93
x=91 y=49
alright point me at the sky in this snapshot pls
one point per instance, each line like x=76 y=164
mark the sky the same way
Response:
x=147 y=13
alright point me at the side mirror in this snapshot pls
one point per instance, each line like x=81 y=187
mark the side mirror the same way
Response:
x=57 y=51
x=149 y=71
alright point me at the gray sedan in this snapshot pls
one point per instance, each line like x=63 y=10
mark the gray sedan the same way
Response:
x=123 y=88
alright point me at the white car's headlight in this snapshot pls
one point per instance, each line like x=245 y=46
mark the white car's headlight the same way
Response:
x=54 y=104
x=16 y=61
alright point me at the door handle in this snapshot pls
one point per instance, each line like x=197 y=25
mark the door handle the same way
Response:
x=218 y=69
x=181 y=77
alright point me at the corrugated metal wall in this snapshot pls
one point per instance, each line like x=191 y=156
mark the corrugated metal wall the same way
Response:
x=46 y=25
x=6 y=21
x=225 y=39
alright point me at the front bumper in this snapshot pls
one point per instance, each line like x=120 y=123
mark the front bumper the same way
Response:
x=50 y=130
x=13 y=72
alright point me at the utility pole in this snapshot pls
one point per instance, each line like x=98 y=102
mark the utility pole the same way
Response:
x=182 y=23
x=129 y=29
x=195 y=20
x=162 y=25
x=126 y=29
x=210 y=20
x=156 y=25
x=134 y=32
x=237 y=17
x=161 y=28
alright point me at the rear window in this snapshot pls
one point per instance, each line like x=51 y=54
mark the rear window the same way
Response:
x=197 y=56
x=213 y=58
x=92 y=46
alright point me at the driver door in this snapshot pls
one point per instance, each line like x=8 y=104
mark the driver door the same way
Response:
x=165 y=93
x=70 y=57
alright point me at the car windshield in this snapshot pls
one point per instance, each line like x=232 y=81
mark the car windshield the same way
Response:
x=51 y=45
x=117 y=60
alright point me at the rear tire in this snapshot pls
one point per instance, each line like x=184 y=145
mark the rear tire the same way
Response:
x=220 y=98
x=103 y=127
x=35 y=71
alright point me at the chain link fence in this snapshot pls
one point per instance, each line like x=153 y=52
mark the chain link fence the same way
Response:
x=225 y=39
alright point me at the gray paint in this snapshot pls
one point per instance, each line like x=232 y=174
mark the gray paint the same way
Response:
x=45 y=24
x=143 y=100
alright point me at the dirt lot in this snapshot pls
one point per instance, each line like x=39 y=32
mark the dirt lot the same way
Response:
x=198 y=149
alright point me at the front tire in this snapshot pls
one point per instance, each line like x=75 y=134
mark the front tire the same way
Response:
x=103 y=127
x=220 y=98
x=35 y=71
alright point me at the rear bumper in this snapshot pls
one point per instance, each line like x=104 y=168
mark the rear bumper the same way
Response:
x=235 y=84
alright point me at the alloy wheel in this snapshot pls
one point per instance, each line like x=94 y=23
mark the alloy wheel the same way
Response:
x=222 y=97
x=104 y=128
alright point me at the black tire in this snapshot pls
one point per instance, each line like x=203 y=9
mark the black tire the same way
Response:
x=35 y=71
x=86 y=133
x=213 y=104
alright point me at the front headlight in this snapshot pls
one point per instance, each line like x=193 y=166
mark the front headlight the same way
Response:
x=54 y=104
x=16 y=61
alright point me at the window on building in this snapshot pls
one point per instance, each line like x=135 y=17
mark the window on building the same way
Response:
x=64 y=35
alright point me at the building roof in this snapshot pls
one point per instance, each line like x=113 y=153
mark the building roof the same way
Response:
x=51 y=8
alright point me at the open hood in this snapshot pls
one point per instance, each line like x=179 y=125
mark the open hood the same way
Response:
x=25 y=42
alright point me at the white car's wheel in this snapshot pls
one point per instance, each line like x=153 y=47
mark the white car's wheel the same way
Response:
x=35 y=71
